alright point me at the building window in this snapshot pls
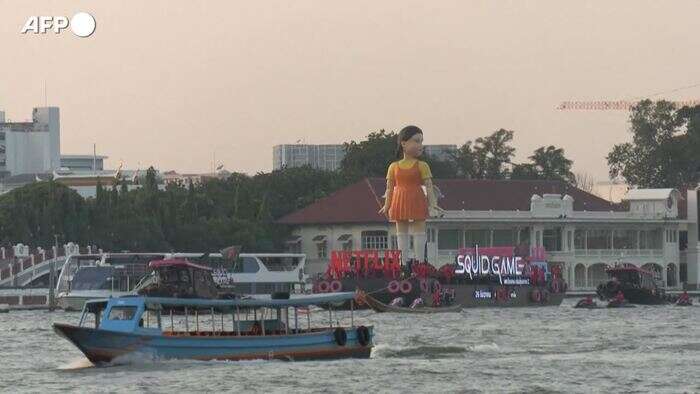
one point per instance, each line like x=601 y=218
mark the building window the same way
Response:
x=524 y=236
x=551 y=239
x=448 y=239
x=599 y=239
x=569 y=238
x=476 y=237
x=322 y=250
x=650 y=239
x=625 y=239
x=504 y=237
x=375 y=240
x=580 y=239
x=683 y=240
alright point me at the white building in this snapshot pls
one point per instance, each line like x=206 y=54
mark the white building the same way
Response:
x=328 y=157
x=31 y=147
x=656 y=229
x=86 y=163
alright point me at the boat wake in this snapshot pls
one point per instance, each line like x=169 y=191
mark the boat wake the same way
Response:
x=426 y=352
x=79 y=363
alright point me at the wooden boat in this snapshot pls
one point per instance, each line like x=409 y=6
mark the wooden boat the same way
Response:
x=636 y=284
x=235 y=329
x=379 y=306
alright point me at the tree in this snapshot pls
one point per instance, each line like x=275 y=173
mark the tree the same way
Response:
x=370 y=157
x=663 y=151
x=492 y=154
x=464 y=160
x=584 y=181
x=551 y=164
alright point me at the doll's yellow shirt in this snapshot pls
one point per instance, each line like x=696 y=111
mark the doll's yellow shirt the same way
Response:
x=405 y=164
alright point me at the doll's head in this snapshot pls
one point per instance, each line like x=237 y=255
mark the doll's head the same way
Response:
x=409 y=143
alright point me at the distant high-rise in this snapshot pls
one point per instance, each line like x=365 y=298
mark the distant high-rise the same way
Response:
x=324 y=157
x=328 y=157
x=31 y=147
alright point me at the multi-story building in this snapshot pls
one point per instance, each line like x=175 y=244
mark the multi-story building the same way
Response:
x=328 y=157
x=655 y=228
x=31 y=147
x=86 y=163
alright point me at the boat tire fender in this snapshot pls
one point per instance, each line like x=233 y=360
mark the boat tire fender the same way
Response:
x=341 y=337
x=406 y=287
x=536 y=296
x=323 y=287
x=336 y=286
x=363 y=337
x=394 y=287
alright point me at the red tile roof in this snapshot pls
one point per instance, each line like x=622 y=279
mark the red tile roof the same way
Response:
x=359 y=202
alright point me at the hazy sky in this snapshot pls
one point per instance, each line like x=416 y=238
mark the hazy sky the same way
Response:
x=170 y=83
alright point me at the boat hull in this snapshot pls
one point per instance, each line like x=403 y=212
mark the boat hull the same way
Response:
x=467 y=295
x=103 y=346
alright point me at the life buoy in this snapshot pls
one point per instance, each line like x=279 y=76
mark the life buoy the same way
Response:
x=406 y=287
x=341 y=337
x=336 y=286
x=323 y=287
x=363 y=336
x=424 y=287
x=536 y=296
x=555 y=286
x=394 y=287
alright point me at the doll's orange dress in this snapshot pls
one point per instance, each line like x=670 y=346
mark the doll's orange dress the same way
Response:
x=408 y=201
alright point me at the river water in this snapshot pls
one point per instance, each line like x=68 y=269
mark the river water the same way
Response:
x=546 y=349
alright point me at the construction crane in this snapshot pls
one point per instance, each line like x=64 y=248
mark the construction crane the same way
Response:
x=620 y=105
x=626 y=105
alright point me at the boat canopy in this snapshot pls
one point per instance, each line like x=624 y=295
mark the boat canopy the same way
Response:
x=293 y=301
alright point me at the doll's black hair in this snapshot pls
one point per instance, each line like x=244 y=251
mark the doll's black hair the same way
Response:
x=404 y=135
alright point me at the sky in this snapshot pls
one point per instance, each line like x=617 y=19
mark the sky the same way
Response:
x=176 y=83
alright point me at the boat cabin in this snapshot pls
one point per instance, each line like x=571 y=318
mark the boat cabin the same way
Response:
x=178 y=278
x=199 y=317
x=632 y=276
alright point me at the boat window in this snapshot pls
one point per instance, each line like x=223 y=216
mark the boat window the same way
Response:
x=184 y=276
x=246 y=265
x=122 y=313
x=280 y=263
x=92 y=278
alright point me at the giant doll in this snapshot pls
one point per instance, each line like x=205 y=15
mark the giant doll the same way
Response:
x=410 y=195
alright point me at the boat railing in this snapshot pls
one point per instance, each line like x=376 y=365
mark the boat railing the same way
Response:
x=179 y=317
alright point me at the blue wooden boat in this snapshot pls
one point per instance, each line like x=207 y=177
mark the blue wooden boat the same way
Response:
x=239 y=329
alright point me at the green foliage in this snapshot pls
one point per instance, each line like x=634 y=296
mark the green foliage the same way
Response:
x=370 y=157
x=241 y=209
x=663 y=151
x=546 y=163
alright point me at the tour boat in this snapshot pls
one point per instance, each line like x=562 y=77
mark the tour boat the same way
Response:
x=127 y=328
x=636 y=284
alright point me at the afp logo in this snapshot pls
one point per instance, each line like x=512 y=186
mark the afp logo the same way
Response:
x=81 y=24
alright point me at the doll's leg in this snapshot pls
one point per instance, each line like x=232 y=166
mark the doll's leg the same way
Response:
x=402 y=239
x=417 y=230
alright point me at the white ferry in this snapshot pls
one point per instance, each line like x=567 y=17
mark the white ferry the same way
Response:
x=88 y=277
